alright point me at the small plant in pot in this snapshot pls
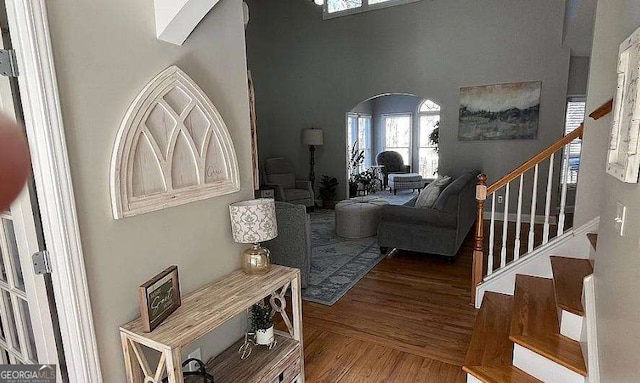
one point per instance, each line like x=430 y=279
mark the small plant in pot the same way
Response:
x=356 y=159
x=262 y=323
x=328 y=191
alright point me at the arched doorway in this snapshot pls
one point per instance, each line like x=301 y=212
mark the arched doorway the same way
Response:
x=402 y=123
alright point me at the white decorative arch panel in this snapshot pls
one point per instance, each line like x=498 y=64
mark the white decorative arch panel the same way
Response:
x=172 y=148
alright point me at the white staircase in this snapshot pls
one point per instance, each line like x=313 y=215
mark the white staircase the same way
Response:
x=531 y=325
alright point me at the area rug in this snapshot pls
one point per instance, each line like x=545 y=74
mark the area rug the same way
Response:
x=337 y=264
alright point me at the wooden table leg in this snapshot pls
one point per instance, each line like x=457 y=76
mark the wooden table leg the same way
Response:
x=173 y=360
x=296 y=301
x=134 y=373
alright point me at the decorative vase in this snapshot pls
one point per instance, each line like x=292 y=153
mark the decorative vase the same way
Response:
x=264 y=337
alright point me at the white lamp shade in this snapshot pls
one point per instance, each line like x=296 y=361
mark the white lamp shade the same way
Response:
x=312 y=137
x=253 y=221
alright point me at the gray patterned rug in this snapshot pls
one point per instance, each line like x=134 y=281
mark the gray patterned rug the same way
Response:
x=337 y=264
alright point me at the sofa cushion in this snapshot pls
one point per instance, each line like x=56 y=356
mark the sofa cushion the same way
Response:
x=429 y=194
x=453 y=190
x=296 y=194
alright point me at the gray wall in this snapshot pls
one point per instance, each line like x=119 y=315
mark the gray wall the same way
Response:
x=578 y=76
x=617 y=270
x=309 y=72
x=105 y=52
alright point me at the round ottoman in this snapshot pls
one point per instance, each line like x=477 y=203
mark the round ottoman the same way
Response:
x=359 y=217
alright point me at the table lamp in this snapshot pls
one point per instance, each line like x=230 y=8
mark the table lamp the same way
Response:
x=254 y=221
x=312 y=137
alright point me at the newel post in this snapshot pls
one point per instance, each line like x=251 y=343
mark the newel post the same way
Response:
x=478 y=253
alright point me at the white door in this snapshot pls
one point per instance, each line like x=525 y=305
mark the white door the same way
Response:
x=26 y=329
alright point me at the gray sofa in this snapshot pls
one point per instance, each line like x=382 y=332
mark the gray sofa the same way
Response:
x=438 y=230
x=292 y=246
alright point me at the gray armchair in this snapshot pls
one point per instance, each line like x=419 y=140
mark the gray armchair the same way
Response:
x=292 y=246
x=393 y=164
x=280 y=177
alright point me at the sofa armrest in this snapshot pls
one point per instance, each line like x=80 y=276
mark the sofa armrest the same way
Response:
x=303 y=184
x=418 y=216
x=278 y=191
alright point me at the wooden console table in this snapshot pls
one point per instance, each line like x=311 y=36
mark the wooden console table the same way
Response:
x=209 y=307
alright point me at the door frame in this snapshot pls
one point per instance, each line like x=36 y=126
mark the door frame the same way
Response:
x=31 y=40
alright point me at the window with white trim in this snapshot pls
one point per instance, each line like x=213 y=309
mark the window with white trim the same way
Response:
x=360 y=130
x=429 y=114
x=576 y=109
x=336 y=8
x=397 y=134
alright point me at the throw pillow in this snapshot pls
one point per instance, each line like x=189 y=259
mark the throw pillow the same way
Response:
x=430 y=193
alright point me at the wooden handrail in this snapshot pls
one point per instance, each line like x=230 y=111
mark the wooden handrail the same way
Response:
x=603 y=110
x=538 y=158
x=482 y=191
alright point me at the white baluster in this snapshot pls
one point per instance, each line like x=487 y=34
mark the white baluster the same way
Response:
x=534 y=199
x=547 y=207
x=491 y=234
x=505 y=227
x=563 y=196
x=516 y=250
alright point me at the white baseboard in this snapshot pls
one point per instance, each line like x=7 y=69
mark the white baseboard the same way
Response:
x=589 y=301
x=573 y=243
x=524 y=218
x=473 y=379
x=542 y=368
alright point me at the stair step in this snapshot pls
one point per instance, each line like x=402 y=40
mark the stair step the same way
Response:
x=490 y=353
x=568 y=276
x=534 y=324
x=593 y=238
x=504 y=374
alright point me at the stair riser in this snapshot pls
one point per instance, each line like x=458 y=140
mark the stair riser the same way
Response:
x=571 y=325
x=473 y=379
x=542 y=368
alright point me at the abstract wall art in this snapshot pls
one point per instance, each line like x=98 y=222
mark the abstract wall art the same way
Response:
x=499 y=112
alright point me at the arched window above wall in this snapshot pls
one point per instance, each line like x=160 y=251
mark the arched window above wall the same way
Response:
x=429 y=120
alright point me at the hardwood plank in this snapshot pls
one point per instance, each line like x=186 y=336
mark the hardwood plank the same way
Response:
x=534 y=324
x=568 y=277
x=534 y=311
x=490 y=345
x=407 y=321
x=504 y=374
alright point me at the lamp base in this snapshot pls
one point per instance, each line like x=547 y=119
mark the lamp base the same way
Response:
x=256 y=260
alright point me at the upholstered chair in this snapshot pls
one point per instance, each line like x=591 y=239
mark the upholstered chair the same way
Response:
x=393 y=164
x=280 y=176
x=292 y=246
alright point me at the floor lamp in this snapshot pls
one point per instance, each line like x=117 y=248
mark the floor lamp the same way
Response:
x=312 y=137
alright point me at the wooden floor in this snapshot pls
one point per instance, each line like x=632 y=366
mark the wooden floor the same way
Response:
x=409 y=320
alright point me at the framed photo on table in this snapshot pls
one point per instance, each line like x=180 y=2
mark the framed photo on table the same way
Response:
x=159 y=297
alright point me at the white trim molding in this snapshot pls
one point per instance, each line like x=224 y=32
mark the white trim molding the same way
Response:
x=589 y=300
x=43 y=119
x=176 y=19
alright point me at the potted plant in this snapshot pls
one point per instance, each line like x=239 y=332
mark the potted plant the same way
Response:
x=328 y=192
x=355 y=162
x=262 y=323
